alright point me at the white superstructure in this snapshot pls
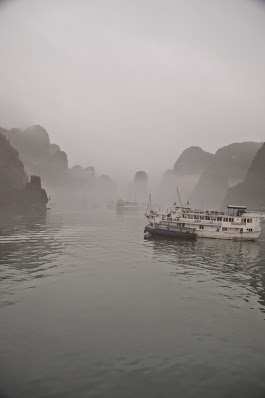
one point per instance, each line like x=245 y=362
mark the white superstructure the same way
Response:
x=127 y=205
x=236 y=223
x=261 y=214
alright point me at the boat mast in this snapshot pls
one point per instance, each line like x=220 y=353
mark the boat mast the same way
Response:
x=179 y=197
x=148 y=203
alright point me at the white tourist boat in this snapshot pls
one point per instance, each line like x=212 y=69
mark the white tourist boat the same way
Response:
x=236 y=224
x=123 y=205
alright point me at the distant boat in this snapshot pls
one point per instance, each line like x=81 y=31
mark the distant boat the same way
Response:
x=123 y=205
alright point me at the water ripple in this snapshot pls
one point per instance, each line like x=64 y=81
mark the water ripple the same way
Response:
x=99 y=311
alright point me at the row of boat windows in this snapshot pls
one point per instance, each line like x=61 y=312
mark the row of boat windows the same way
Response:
x=202 y=217
x=225 y=219
x=229 y=229
x=243 y=220
x=236 y=229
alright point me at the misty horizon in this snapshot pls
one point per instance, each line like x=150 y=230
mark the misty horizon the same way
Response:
x=127 y=87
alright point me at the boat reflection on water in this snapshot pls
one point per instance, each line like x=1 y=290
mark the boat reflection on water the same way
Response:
x=226 y=263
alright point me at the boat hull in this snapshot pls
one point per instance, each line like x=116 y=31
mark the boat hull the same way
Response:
x=249 y=236
x=170 y=234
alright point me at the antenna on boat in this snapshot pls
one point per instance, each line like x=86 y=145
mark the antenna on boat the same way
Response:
x=149 y=203
x=179 y=197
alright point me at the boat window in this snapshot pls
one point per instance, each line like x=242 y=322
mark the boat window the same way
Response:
x=201 y=226
x=249 y=220
x=219 y=218
x=231 y=219
x=249 y=229
x=207 y=218
x=224 y=229
x=243 y=220
x=225 y=219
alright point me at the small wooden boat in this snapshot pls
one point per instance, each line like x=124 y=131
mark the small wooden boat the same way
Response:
x=167 y=230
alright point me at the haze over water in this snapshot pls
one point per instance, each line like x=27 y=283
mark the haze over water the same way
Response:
x=127 y=85
x=89 y=308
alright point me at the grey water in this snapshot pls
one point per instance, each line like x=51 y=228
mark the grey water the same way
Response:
x=89 y=308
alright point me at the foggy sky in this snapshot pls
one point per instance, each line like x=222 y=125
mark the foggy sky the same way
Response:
x=125 y=85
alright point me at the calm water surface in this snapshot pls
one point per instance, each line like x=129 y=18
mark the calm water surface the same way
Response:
x=89 y=308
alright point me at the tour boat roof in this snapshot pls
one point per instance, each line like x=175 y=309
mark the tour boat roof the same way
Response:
x=236 y=207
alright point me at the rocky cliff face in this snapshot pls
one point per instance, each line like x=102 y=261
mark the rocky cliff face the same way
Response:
x=227 y=168
x=38 y=155
x=192 y=161
x=17 y=193
x=250 y=192
x=12 y=175
x=76 y=186
x=185 y=174
x=33 y=143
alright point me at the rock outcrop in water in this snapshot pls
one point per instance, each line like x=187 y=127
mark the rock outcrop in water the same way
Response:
x=16 y=192
x=33 y=195
x=12 y=174
x=185 y=174
x=250 y=192
x=227 y=168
